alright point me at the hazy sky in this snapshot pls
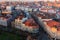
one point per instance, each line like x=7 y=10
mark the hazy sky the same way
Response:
x=26 y=0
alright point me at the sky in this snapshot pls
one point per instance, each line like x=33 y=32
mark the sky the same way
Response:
x=28 y=0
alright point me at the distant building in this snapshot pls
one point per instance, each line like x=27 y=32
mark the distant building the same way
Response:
x=30 y=0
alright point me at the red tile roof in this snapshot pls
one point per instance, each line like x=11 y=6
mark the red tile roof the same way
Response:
x=31 y=23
